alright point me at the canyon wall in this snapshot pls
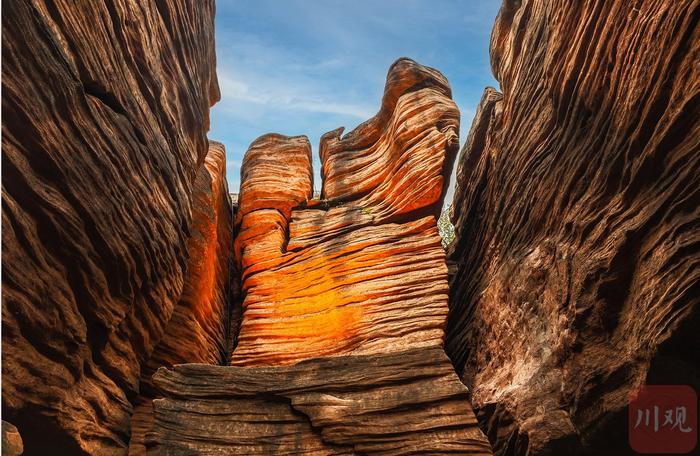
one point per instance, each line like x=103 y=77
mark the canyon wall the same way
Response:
x=577 y=214
x=574 y=272
x=105 y=113
x=199 y=330
x=345 y=297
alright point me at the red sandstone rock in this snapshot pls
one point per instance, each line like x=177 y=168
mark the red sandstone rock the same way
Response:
x=362 y=270
x=105 y=112
x=404 y=402
x=198 y=331
x=577 y=221
x=340 y=347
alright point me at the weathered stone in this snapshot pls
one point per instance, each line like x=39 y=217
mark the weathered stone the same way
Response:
x=105 y=112
x=198 y=331
x=340 y=347
x=361 y=270
x=577 y=220
x=409 y=402
x=11 y=440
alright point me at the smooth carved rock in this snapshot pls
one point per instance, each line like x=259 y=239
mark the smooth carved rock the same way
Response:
x=198 y=331
x=577 y=222
x=408 y=402
x=361 y=270
x=105 y=112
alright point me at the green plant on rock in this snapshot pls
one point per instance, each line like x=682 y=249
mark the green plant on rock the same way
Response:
x=445 y=227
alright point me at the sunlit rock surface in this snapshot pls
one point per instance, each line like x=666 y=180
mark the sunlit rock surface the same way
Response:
x=361 y=270
x=105 y=111
x=577 y=222
x=340 y=346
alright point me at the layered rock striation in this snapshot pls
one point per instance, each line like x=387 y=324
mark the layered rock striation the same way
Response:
x=577 y=222
x=345 y=298
x=408 y=402
x=199 y=330
x=361 y=270
x=105 y=112
x=575 y=263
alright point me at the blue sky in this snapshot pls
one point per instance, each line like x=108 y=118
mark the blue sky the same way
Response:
x=310 y=66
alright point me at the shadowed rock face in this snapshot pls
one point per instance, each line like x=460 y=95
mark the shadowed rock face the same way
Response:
x=340 y=346
x=198 y=331
x=105 y=111
x=408 y=402
x=577 y=222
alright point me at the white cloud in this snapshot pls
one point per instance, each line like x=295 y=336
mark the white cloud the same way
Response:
x=258 y=78
x=288 y=95
x=301 y=67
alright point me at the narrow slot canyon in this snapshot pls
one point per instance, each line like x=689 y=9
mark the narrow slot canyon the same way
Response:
x=145 y=311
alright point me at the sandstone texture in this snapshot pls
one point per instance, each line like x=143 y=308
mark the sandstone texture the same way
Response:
x=131 y=281
x=577 y=214
x=360 y=270
x=105 y=112
x=200 y=317
x=198 y=331
x=345 y=298
x=408 y=402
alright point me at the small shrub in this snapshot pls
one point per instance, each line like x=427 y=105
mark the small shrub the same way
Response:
x=445 y=227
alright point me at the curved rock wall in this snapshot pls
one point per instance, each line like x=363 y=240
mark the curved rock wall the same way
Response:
x=105 y=112
x=198 y=331
x=577 y=222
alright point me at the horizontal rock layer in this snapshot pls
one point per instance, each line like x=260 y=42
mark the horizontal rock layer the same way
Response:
x=361 y=270
x=577 y=221
x=409 y=402
x=105 y=112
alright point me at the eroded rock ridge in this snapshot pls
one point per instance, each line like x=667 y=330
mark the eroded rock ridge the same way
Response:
x=576 y=215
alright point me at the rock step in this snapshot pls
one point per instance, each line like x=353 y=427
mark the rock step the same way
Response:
x=409 y=402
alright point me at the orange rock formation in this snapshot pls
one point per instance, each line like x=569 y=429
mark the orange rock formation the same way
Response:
x=340 y=347
x=361 y=270
x=198 y=331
